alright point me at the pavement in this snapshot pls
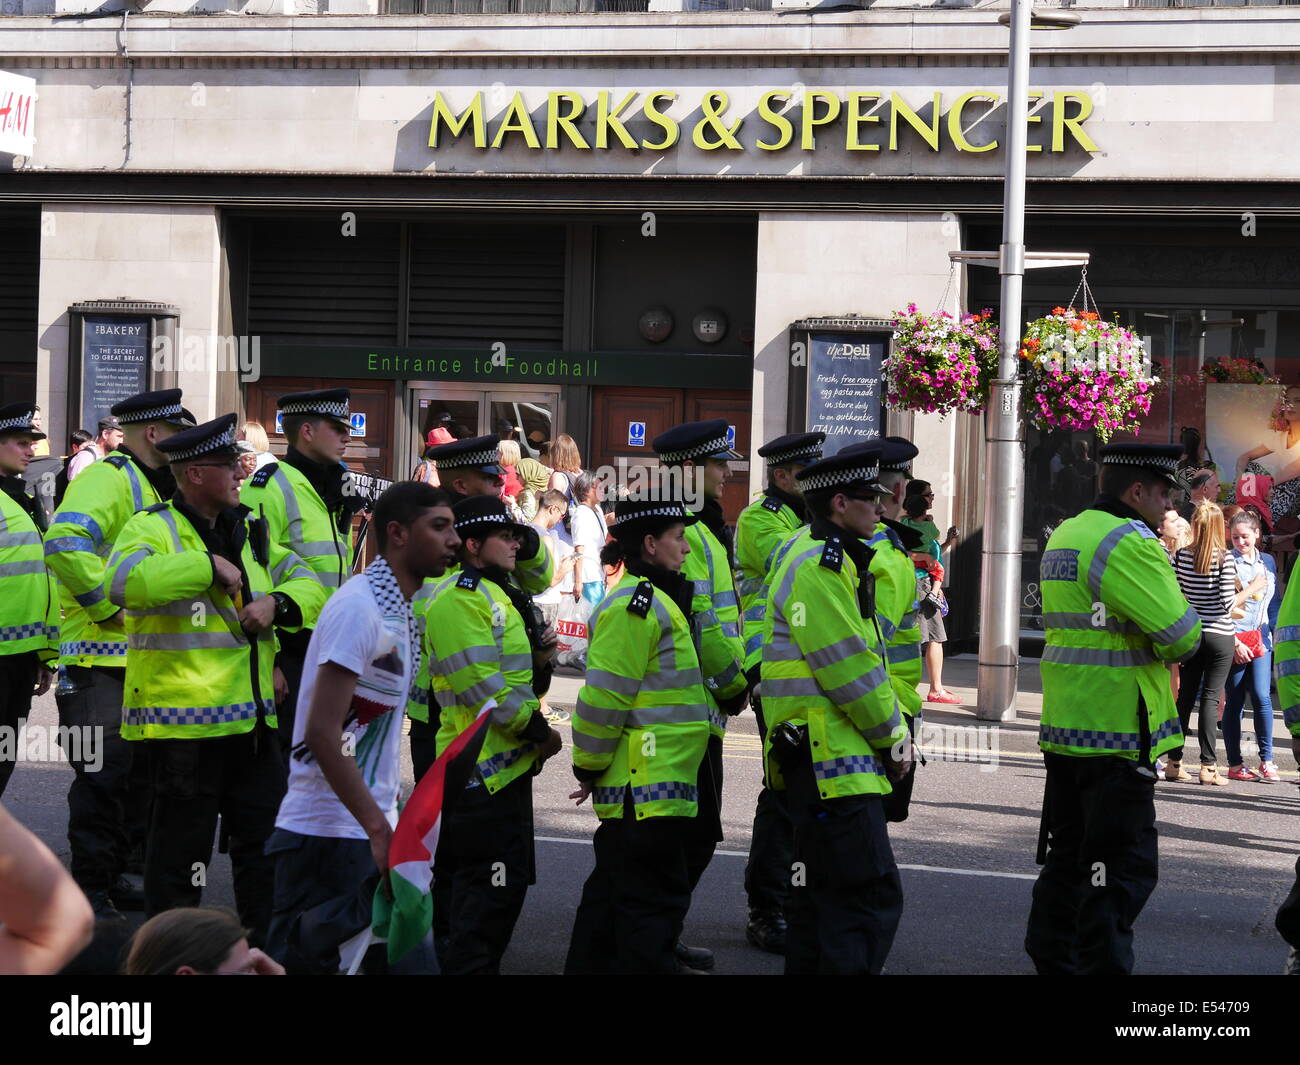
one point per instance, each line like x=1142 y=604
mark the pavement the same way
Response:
x=966 y=854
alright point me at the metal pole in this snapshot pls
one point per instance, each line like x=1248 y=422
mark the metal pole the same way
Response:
x=1004 y=446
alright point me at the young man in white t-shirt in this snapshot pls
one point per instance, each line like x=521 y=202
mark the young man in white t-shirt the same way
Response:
x=336 y=821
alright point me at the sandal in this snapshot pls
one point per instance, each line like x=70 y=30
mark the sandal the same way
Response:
x=945 y=697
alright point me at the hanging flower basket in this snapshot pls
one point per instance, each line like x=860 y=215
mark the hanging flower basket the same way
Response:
x=940 y=364
x=1085 y=374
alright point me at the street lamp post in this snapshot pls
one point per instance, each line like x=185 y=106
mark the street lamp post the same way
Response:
x=1004 y=445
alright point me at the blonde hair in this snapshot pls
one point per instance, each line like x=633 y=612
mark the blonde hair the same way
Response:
x=1209 y=536
x=564 y=454
x=255 y=434
x=508 y=452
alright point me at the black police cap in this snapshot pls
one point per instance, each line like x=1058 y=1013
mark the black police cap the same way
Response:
x=163 y=405
x=479 y=515
x=331 y=403
x=1158 y=458
x=695 y=440
x=630 y=514
x=898 y=454
x=480 y=453
x=214 y=439
x=17 y=418
x=793 y=447
x=855 y=467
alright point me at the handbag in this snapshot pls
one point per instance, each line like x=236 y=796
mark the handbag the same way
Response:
x=1254 y=639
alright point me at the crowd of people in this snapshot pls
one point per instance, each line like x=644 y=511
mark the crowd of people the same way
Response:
x=203 y=612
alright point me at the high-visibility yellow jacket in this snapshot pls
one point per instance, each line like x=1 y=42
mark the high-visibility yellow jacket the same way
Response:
x=29 y=607
x=1114 y=617
x=533 y=573
x=896 y=610
x=98 y=503
x=715 y=617
x=641 y=719
x=1286 y=653
x=824 y=666
x=299 y=521
x=761 y=529
x=192 y=671
x=478 y=650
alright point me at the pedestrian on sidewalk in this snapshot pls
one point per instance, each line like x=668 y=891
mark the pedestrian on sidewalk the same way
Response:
x=1208 y=579
x=929 y=589
x=1252 y=664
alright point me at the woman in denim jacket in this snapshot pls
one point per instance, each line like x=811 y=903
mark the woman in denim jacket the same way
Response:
x=1257 y=573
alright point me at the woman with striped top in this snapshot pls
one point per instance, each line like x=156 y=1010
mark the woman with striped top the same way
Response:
x=1208 y=578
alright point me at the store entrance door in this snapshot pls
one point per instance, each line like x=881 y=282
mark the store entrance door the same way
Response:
x=528 y=415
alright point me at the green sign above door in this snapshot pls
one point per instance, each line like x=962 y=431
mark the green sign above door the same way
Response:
x=500 y=364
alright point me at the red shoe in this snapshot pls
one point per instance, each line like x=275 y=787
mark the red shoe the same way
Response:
x=1268 y=773
x=945 y=697
x=1240 y=772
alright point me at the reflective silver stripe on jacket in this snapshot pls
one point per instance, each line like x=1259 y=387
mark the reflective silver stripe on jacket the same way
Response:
x=1175 y=632
x=15 y=569
x=137 y=493
x=22 y=539
x=1287 y=632
x=860 y=687
x=837 y=652
x=170 y=519
x=902 y=652
x=117 y=590
x=184 y=641
x=1097 y=656
x=1088 y=622
x=1097 y=567
x=592 y=744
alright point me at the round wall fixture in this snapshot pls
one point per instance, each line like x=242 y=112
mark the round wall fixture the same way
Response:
x=709 y=325
x=656 y=324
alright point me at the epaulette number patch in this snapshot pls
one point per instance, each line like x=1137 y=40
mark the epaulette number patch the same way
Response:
x=772 y=503
x=641 y=599
x=468 y=581
x=262 y=476
x=833 y=555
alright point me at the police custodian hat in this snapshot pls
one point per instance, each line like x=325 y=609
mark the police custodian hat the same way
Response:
x=695 y=440
x=475 y=453
x=163 y=405
x=17 y=418
x=331 y=403
x=1158 y=458
x=856 y=467
x=793 y=447
x=898 y=454
x=215 y=439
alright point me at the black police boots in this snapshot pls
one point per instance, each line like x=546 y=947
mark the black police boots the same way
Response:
x=766 y=930
x=697 y=958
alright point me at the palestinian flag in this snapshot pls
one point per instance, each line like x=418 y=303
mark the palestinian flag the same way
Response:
x=406 y=918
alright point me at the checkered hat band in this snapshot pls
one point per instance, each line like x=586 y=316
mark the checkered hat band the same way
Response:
x=831 y=478
x=473 y=458
x=172 y=410
x=23 y=421
x=802 y=454
x=1169 y=465
x=336 y=409
x=484 y=519
x=213 y=443
x=656 y=512
x=709 y=447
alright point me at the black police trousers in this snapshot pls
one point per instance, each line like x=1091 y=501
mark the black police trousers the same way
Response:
x=238 y=778
x=481 y=875
x=1101 y=866
x=704 y=832
x=635 y=901
x=1288 y=914
x=846 y=897
x=111 y=796
x=771 y=846
x=17 y=681
x=424 y=746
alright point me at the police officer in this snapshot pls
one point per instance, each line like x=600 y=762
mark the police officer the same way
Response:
x=29 y=606
x=307 y=501
x=1115 y=618
x=477 y=633
x=640 y=733
x=469 y=468
x=204 y=587
x=897 y=605
x=834 y=729
x=1287 y=653
x=700 y=450
x=108 y=807
x=762 y=528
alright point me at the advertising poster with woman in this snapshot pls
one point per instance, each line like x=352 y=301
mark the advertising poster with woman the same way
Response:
x=1255 y=429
